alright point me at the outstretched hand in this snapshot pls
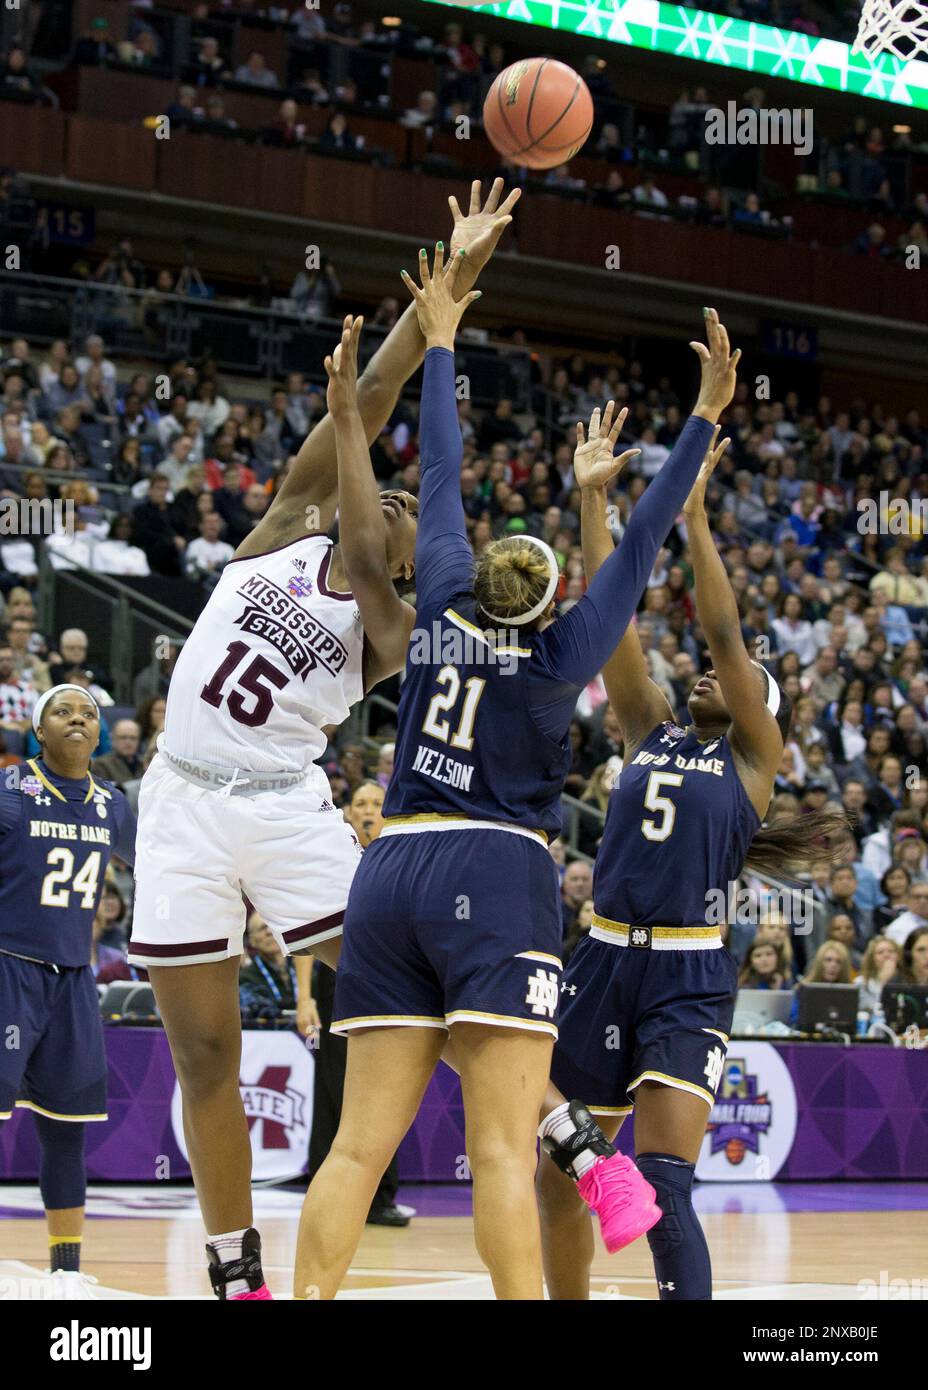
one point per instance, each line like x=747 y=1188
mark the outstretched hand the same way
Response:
x=478 y=233
x=438 y=311
x=696 y=502
x=719 y=369
x=595 y=460
x=342 y=369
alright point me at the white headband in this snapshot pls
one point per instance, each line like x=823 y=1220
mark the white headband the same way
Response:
x=773 y=691
x=549 y=590
x=50 y=694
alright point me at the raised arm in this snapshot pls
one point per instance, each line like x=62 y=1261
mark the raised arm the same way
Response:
x=308 y=497
x=387 y=619
x=755 y=736
x=638 y=704
x=444 y=559
x=578 y=645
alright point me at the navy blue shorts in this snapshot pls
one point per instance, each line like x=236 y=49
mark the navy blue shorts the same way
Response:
x=52 y=1058
x=632 y=1014
x=451 y=926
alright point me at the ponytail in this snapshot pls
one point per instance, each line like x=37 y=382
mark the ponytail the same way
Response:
x=792 y=846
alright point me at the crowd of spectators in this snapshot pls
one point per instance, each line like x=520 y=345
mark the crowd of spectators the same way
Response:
x=838 y=608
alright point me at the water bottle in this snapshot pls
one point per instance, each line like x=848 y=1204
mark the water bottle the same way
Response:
x=877 y=1021
x=863 y=1023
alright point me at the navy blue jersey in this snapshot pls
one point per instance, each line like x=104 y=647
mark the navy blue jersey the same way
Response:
x=56 y=838
x=468 y=744
x=678 y=824
x=484 y=716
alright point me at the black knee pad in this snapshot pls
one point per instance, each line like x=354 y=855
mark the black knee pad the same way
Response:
x=63 y=1172
x=672 y=1180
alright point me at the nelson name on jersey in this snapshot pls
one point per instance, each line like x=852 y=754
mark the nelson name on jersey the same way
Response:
x=301 y=639
x=442 y=768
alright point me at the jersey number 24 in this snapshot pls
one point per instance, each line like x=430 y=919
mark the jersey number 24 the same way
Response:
x=61 y=880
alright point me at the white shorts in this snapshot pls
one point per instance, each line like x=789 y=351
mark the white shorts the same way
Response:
x=199 y=854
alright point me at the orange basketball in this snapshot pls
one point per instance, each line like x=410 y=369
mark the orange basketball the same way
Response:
x=538 y=112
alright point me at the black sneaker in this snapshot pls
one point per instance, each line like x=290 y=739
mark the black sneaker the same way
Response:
x=387 y=1216
x=247 y=1268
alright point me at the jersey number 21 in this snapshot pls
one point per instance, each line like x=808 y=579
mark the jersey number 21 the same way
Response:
x=463 y=736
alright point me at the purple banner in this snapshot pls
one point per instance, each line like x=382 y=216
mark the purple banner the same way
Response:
x=800 y=1111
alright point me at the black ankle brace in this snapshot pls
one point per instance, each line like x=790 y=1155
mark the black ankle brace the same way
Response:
x=588 y=1135
x=247 y=1267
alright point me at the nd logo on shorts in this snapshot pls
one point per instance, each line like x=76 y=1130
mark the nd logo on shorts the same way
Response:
x=543 y=992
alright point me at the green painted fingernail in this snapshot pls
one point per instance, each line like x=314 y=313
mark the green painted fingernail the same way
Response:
x=705 y=313
x=422 y=253
x=478 y=294
x=462 y=252
x=440 y=245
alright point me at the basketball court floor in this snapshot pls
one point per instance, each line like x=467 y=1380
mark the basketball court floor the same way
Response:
x=776 y=1242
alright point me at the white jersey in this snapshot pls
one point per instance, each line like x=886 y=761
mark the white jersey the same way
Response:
x=275 y=655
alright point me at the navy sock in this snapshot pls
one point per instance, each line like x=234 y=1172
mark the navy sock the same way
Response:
x=678 y=1245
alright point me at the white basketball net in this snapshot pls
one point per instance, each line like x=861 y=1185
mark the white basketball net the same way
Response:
x=900 y=28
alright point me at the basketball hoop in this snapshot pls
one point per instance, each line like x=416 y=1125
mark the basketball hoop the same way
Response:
x=899 y=27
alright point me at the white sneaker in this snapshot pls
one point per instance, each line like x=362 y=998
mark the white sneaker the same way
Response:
x=71 y=1285
x=406 y=1211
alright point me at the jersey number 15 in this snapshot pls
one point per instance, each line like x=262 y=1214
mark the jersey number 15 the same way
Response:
x=251 y=680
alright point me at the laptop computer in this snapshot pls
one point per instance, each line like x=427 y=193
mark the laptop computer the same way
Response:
x=756 y=1008
x=828 y=1008
x=904 y=1005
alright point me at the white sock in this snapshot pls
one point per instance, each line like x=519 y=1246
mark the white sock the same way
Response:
x=229 y=1247
x=560 y=1127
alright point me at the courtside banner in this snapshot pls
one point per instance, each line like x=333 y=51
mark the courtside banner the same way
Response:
x=804 y=1111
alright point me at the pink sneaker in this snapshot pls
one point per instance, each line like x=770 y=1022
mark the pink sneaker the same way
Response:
x=263 y=1292
x=622 y=1198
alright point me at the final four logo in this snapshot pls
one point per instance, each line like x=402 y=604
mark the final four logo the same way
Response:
x=740 y=1115
x=755 y=1113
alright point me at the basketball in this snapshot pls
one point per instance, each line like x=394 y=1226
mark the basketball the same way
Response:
x=538 y=112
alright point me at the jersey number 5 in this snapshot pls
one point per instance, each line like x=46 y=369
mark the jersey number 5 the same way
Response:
x=654 y=829
x=463 y=736
x=250 y=680
x=61 y=880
